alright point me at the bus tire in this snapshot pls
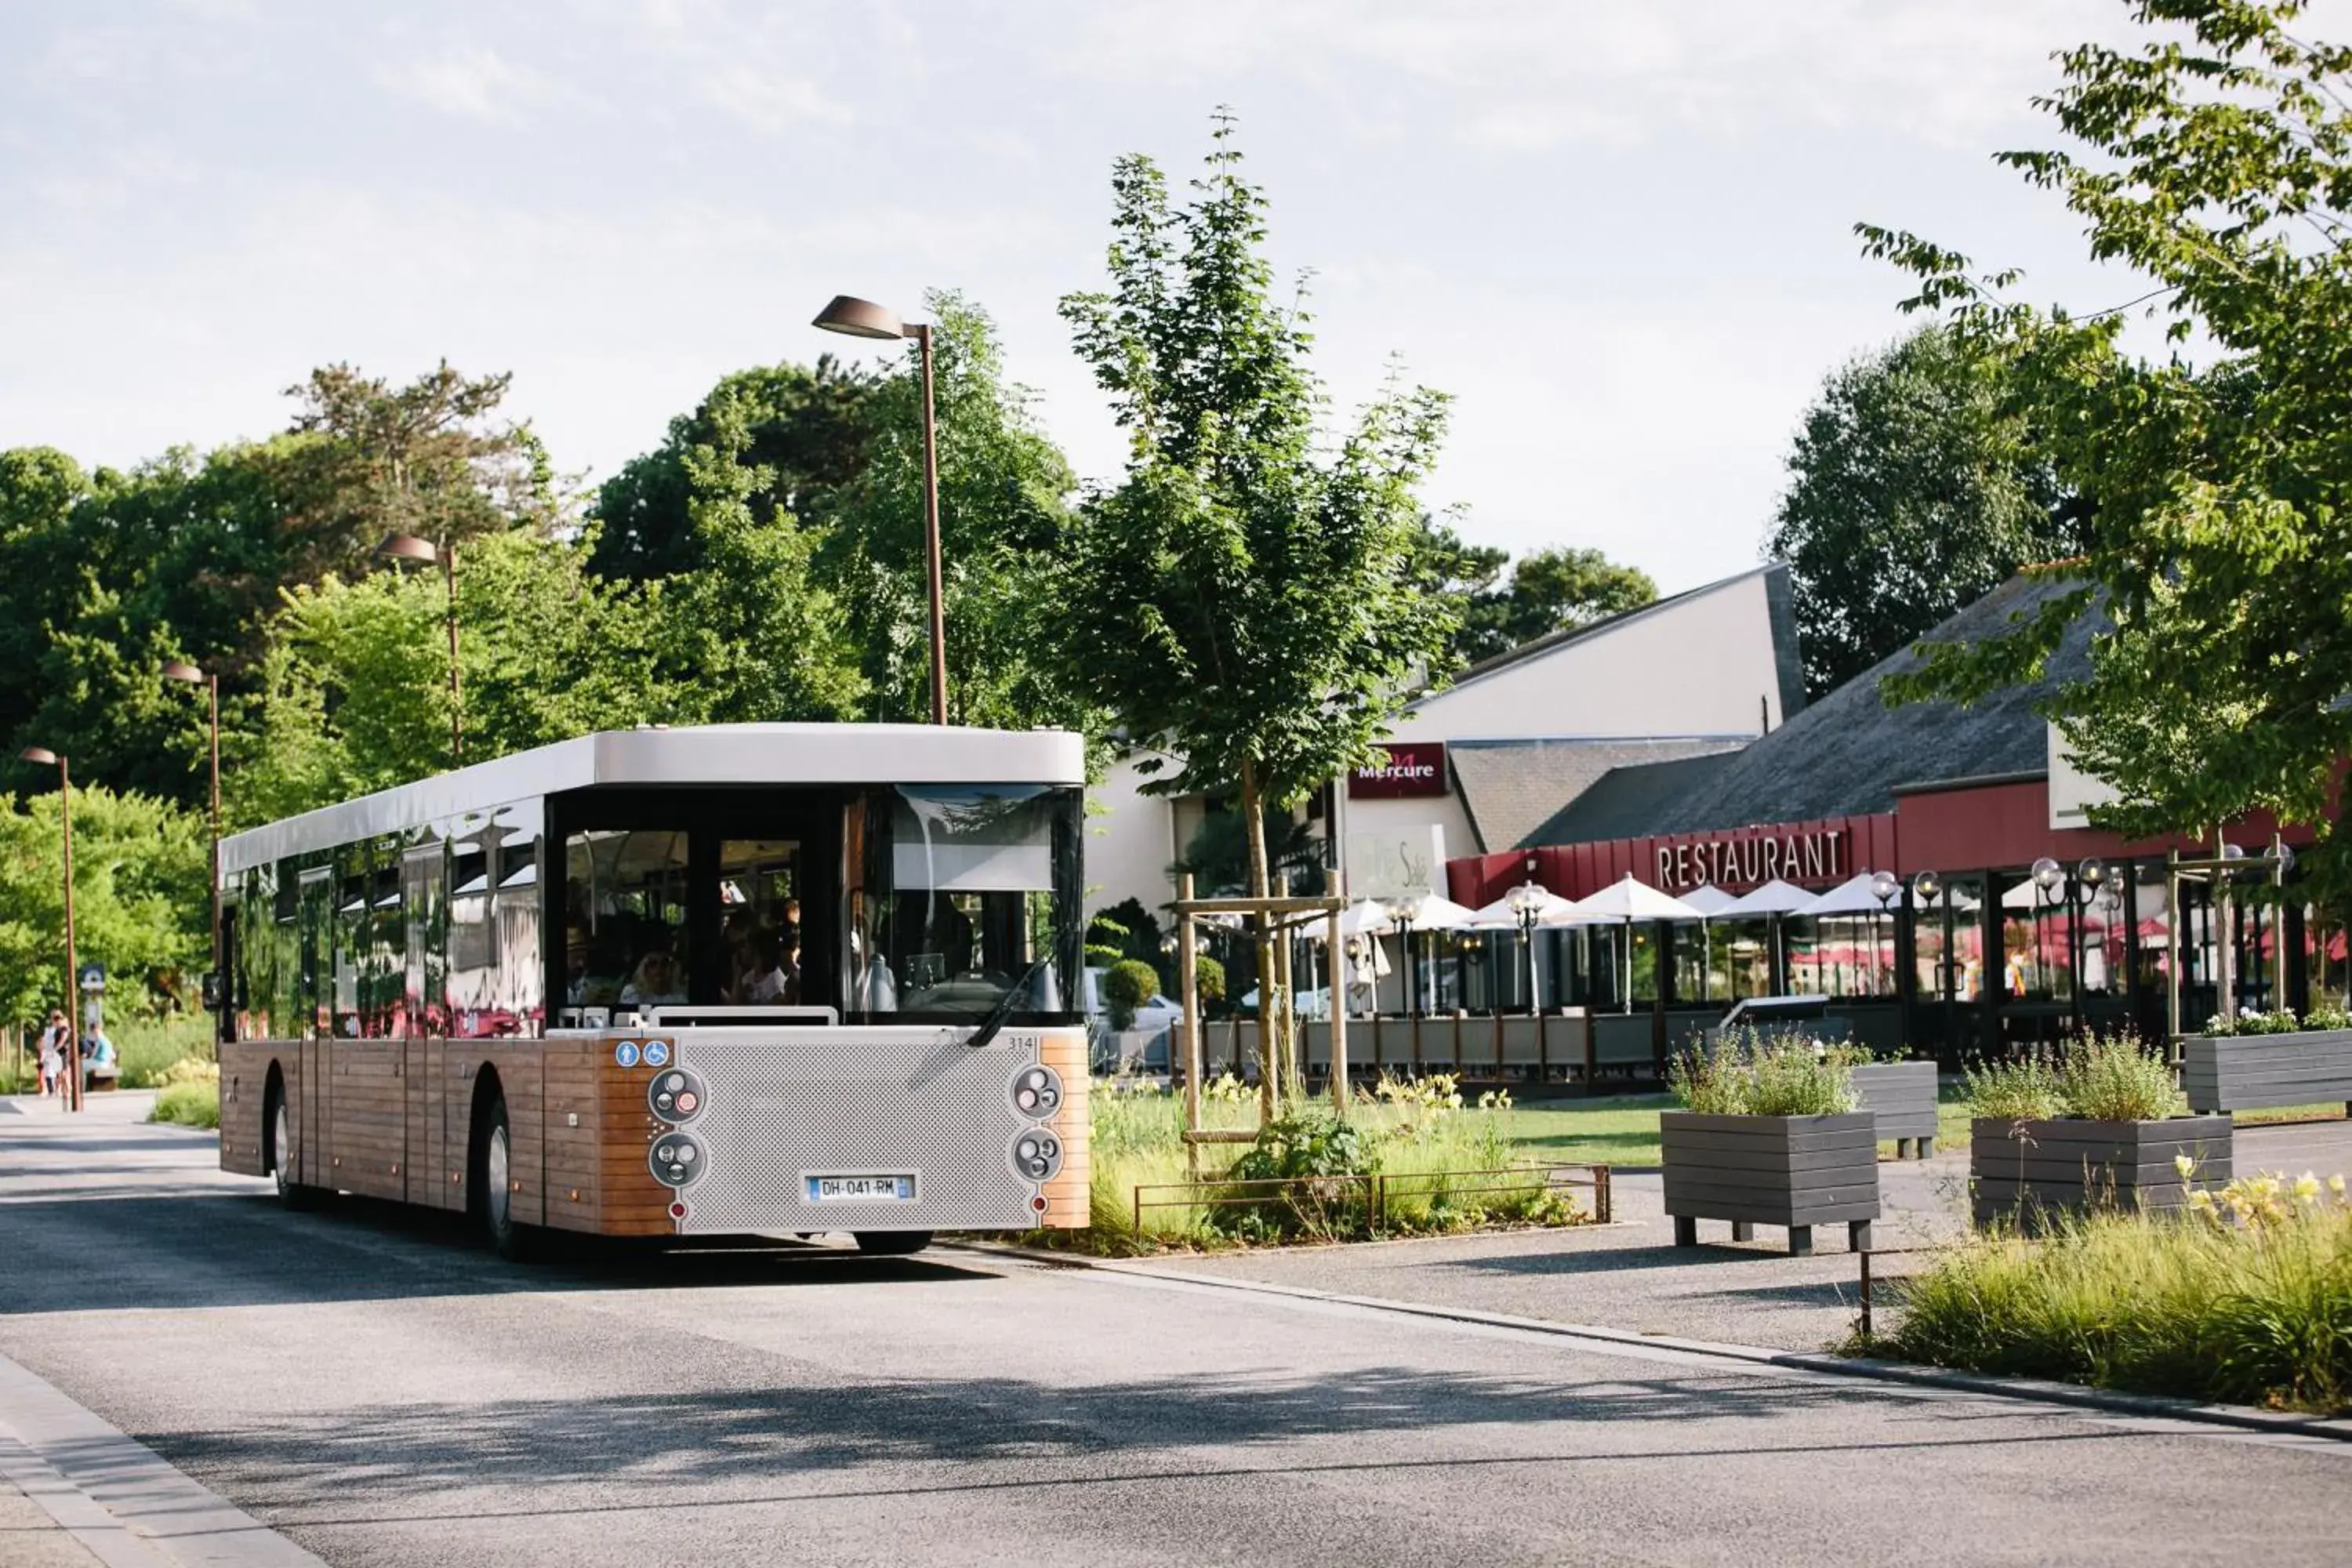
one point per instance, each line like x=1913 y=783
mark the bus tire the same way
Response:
x=494 y=1190
x=293 y=1195
x=891 y=1243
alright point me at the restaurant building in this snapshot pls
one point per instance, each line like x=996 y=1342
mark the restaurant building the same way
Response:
x=1981 y=955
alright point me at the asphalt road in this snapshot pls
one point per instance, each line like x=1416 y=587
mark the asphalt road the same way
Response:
x=381 y=1392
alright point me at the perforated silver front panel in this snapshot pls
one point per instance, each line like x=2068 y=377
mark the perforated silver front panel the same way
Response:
x=785 y=1104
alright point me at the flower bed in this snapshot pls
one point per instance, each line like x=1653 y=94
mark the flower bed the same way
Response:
x=2257 y=1059
x=2243 y=1296
x=1769 y=1135
x=2098 y=1128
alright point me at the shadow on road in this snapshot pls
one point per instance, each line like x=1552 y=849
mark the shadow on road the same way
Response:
x=173 y=1251
x=1058 y=1433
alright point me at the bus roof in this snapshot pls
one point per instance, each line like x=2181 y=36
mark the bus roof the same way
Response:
x=694 y=754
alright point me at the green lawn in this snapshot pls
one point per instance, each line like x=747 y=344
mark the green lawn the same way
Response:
x=1623 y=1130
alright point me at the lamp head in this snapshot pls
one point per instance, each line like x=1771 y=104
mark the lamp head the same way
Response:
x=39 y=755
x=2091 y=871
x=855 y=318
x=1926 y=886
x=180 y=670
x=1884 y=886
x=408 y=547
x=2048 y=874
x=2285 y=856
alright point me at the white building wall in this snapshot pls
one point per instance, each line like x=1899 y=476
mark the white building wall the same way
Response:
x=1701 y=665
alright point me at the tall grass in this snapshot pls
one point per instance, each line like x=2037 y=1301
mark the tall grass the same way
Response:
x=1747 y=1073
x=1419 y=1129
x=2213 y=1306
x=2099 y=1078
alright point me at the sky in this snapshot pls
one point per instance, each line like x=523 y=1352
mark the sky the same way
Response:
x=1619 y=237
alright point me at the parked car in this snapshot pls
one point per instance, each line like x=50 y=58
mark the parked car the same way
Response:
x=1146 y=1043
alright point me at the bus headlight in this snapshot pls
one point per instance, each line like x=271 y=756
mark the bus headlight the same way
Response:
x=676 y=1158
x=1037 y=1093
x=676 y=1096
x=1037 y=1155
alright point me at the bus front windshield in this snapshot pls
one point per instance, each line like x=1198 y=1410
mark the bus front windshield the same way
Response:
x=970 y=896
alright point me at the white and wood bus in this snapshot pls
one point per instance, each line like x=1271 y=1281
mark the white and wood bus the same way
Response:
x=754 y=979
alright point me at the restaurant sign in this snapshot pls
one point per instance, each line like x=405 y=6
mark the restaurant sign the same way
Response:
x=1747 y=860
x=1399 y=771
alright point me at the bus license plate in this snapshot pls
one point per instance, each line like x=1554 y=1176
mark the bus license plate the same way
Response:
x=861 y=1189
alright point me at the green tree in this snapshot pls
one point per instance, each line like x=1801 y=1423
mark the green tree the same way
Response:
x=750 y=634
x=354 y=688
x=139 y=894
x=1245 y=599
x=807 y=425
x=1914 y=489
x=2219 y=547
x=1548 y=591
x=1004 y=529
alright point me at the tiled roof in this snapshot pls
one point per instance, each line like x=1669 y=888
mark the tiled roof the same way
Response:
x=1846 y=754
x=1509 y=787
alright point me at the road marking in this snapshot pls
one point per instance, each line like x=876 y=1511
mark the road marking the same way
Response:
x=118 y=1497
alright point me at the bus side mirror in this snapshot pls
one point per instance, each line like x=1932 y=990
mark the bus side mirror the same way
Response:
x=212 y=993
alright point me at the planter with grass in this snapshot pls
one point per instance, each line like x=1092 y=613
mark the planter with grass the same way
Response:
x=1902 y=1096
x=2101 y=1128
x=2257 y=1059
x=1769 y=1135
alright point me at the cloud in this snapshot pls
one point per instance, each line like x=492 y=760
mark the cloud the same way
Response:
x=472 y=81
x=1532 y=75
x=770 y=100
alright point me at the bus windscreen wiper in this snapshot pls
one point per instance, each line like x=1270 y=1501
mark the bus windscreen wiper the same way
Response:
x=994 y=1023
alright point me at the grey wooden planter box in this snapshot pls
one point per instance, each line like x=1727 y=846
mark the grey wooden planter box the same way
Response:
x=1792 y=1171
x=1902 y=1095
x=2239 y=1072
x=2031 y=1168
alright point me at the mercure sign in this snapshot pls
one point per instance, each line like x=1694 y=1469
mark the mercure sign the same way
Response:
x=1400 y=769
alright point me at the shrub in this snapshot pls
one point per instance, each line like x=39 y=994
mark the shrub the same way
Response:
x=2252 y=1304
x=1327 y=1159
x=147 y=1050
x=1749 y=1073
x=2324 y=1016
x=189 y=1103
x=1209 y=975
x=2113 y=1078
x=2011 y=1091
x=1126 y=986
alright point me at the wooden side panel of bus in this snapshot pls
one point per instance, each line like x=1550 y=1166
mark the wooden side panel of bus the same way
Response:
x=244 y=1087
x=312 y=1124
x=453 y=1078
x=1064 y=1051
x=421 y=1156
x=521 y=1078
x=370 y=1111
x=629 y=1201
x=574 y=1133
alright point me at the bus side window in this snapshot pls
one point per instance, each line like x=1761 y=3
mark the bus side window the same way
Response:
x=424 y=987
x=351 y=932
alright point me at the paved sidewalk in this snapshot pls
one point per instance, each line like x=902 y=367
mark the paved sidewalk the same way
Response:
x=30 y=1537
x=1632 y=1277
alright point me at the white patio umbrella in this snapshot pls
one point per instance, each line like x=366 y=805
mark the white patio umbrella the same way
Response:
x=1767 y=903
x=1857 y=895
x=1624 y=902
x=1500 y=916
x=1707 y=898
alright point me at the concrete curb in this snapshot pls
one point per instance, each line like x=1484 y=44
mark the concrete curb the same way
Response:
x=116 y=1496
x=2036 y=1391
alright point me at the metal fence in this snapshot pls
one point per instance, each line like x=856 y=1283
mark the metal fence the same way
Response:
x=1374 y=1193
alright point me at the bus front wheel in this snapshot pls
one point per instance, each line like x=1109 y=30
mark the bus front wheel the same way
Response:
x=291 y=1194
x=494 y=1173
x=891 y=1243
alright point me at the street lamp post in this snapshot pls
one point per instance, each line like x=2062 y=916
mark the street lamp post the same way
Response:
x=408 y=547
x=1525 y=903
x=857 y=318
x=178 y=670
x=45 y=758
